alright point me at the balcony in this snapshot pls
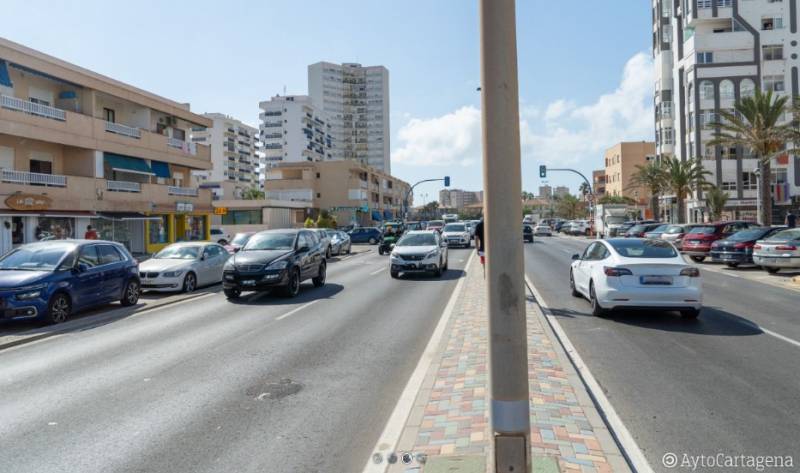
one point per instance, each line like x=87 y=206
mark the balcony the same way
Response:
x=123 y=186
x=123 y=130
x=182 y=191
x=13 y=103
x=32 y=178
x=185 y=146
x=292 y=195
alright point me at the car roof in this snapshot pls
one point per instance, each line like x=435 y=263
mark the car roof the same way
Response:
x=283 y=230
x=418 y=232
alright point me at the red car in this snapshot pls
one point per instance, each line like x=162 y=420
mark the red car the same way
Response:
x=697 y=243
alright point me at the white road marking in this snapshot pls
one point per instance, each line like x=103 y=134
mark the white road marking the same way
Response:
x=388 y=440
x=779 y=336
x=294 y=311
x=624 y=438
x=378 y=271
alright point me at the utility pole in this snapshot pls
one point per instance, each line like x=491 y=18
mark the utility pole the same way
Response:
x=502 y=178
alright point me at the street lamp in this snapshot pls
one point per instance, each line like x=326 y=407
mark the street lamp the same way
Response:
x=757 y=172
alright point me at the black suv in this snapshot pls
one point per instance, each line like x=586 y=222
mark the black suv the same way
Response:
x=273 y=259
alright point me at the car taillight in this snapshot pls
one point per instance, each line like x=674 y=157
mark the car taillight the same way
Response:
x=742 y=246
x=757 y=247
x=616 y=272
x=691 y=272
x=785 y=247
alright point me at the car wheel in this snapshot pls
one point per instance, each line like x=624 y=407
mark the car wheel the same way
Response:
x=328 y=253
x=732 y=265
x=189 y=282
x=130 y=296
x=293 y=287
x=372 y=240
x=690 y=313
x=597 y=311
x=349 y=248
x=572 y=287
x=438 y=272
x=698 y=259
x=394 y=274
x=772 y=270
x=319 y=281
x=232 y=293
x=380 y=250
x=59 y=308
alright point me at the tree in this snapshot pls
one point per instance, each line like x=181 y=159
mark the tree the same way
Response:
x=430 y=209
x=324 y=219
x=754 y=126
x=683 y=178
x=716 y=199
x=253 y=193
x=569 y=206
x=584 y=188
x=616 y=199
x=653 y=178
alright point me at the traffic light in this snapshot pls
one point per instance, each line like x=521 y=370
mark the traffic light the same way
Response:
x=447 y=181
x=542 y=171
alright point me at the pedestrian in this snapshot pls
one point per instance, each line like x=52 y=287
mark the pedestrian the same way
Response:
x=791 y=219
x=90 y=234
x=480 y=245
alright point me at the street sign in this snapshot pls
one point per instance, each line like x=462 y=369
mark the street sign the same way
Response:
x=220 y=211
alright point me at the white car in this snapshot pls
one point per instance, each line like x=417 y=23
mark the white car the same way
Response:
x=183 y=267
x=457 y=234
x=419 y=252
x=543 y=230
x=220 y=236
x=781 y=250
x=636 y=273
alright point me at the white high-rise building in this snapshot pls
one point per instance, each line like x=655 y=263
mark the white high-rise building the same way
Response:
x=708 y=54
x=356 y=98
x=293 y=130
x=233 y=151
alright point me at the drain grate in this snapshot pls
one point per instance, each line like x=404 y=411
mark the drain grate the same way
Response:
x=274 y=390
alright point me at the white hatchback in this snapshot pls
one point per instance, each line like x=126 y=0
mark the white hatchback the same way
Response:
x=636 y=273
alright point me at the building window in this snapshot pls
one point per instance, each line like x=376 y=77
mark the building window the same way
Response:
x=109 y=115
x=747 y=88
x=666 y=8
x=705 y=57
x=666 y=110
x=726 y=90
x=728 y=152
x=774 y=83
x=242 y=217
x=771 y=23
x=668 y=136
x=773 y=52
x=749 y=182
x=41 y=167
x=706 y=90
x=158 y=230
x=666 y=36
x=728 y=185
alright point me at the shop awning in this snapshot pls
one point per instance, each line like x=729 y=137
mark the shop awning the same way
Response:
x=122 y=163
x=161 y=169
x=126 y=216
x=5 y=80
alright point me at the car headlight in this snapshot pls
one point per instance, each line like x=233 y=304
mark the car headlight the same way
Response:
x=29 y=293
x=229 y=266
x=172 y=274
x=282 y=264
x=432 y=254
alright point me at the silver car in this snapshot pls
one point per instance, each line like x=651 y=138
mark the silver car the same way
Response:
x=340 y=242
x=325 y=236
x=419 y=252
x=183 y=267
x=781 y=250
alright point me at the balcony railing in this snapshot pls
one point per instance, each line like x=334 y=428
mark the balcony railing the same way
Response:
x=13 y=103
x=124 y=130
x=300 y=195
x=183 y=191
x=186 y=147
x=32 y=178
x=123 y=186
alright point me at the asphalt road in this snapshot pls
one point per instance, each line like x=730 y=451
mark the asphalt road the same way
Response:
x=266 y=384
x=719 y=384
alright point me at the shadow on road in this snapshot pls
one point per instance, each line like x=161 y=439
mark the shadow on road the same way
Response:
x=308 y=293
x=448 y=275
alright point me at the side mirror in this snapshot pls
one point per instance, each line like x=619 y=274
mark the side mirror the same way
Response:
x=303 y=249
x=576 y=257
x=237 y=249
x=82 y=267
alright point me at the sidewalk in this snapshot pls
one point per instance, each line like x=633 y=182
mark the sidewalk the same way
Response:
x=450 y=418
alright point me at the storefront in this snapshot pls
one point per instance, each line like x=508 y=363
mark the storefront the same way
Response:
x=182 y=225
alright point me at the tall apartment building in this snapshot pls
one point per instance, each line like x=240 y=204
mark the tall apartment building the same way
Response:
x=356 y=98
x=708 y=54
x=294 y=130
x=599 y=182
x=233 y=151
x=621 y=161
x=545 y=192
x=79 y=148
x=458 y=198
x=561 y=191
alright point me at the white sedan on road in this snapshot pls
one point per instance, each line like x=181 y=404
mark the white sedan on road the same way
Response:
x=636 y=273
x=539 y=230
x=419 y=252
x=183 y=267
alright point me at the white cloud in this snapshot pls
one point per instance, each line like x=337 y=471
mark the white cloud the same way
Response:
x=566 y=133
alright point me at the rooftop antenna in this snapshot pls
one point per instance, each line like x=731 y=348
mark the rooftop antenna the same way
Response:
x=284 y=91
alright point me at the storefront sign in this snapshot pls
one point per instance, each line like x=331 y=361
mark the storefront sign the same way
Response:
x=220 y=211
x=184 y=207
x=29 y=202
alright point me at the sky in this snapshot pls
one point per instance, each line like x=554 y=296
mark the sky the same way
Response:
x=585 y=69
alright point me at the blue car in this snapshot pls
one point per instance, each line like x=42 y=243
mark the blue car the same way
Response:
x=369 y=235
x=51 y=280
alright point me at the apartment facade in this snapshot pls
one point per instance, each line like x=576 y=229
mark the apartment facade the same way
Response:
x=233 y=151
x=458 y=198
x=545 y=192
x=621 y=161
x=352 y=192
x=356 y=98
x=294 y=130
x=561 y=191
x=599 y=183
x=709 y=54
x=79 y=148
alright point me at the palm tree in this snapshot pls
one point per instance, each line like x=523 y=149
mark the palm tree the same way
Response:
x=253 y=193
x=569 y=206
x=716 y=199
x=652 y=177
x=683 y=178
x=754 y=126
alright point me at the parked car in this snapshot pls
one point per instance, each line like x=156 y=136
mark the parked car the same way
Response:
x=542 y=230
x=559 y=225
x=220 y=236
x=275 y=259
x=657 y=232
x=697 y=243
x=580 y=227
x=638 y=230
x=419 y=252
x=527 y=233
x=52 y=280
x=779 y=250
x=738 y=248
x=325 y=236
x=183 y=267
x=675 y=233
x=412 y=226
x=636 y=273
x=340 y=243
x=471 y=228
x=238 y=241
x=369 y=235
x=435 y=225
x=457 y=234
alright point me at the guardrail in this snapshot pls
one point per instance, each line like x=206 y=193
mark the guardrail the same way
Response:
x=183 y=191
x=124 y=130
x=123 y=186
x=13 y=103
x=33 y=178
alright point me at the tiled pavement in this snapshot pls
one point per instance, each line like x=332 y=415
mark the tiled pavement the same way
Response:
x=450 y=417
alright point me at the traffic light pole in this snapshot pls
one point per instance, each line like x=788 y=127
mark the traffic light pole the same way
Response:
x=502 y=177
x=446 y=180
x=543 y=173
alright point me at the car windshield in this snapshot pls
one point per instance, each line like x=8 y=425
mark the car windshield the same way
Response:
x=644 y=248
x=271 y=241
x=750 y=234
x=36 y=257
x=178 y=252
x=673 y=229
x=706 y=230
x=418 y=239
x=638 y=228
x=454 y=227
x=660 y=229
x=787 y=235
x=241 y=238
x=435 y=223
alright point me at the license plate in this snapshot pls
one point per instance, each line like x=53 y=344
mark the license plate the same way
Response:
x=656 y=280
x=769 y=260
x=694 y=242
x=248 y=282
